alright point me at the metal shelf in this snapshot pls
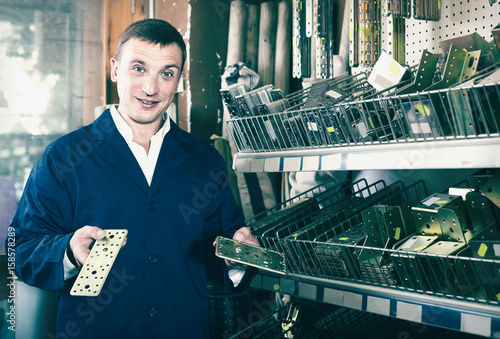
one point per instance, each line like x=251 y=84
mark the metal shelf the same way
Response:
x=323 y=234
x=452 y=128
x=455 y=128
x=479 y=319
x=445 y=154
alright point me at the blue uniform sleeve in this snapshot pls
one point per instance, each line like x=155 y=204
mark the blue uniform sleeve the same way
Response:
x=42 y=226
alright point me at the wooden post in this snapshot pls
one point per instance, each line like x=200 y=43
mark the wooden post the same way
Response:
x=267 y=42
x=283 y=47
x=237 y=32
x=252 y=44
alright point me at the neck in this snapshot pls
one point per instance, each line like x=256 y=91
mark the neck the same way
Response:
x=142 y=133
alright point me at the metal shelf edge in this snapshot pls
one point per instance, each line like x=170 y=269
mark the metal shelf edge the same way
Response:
x=443 y=154
x=464 y=316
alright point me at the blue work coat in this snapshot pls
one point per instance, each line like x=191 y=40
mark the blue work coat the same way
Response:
x=157 y=287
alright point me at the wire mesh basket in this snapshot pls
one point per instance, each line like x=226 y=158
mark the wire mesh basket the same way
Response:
x=348 y=112
x=309 y=241
x=345 y=244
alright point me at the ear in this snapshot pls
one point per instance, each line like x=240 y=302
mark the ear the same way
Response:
x=114 y=67
x=180 y=85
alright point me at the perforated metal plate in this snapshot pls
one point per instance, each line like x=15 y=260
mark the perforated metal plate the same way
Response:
x=250 y=255
x=98 y=264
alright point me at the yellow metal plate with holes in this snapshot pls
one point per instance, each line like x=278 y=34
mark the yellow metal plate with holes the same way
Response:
x=98 y=264
x=250 y=255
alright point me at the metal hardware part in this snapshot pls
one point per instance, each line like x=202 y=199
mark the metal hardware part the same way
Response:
x=425 y=74
x=98 y=264
x=487 y=243
x=418 y=243
x=290 y=321
x=491 y=189
x=470 y=64
x=250 y=255
x=442 y=215
x=444 y=247
x=453 y=69
x=480 y=212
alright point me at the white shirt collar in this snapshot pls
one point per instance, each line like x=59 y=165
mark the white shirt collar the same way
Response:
x=126 y=131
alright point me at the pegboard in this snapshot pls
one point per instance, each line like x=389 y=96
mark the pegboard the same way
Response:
x=458 y=18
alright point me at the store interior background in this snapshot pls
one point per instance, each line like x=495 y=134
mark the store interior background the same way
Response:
x=54 y=77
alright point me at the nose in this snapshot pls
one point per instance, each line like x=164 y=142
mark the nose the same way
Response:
x=150 y=85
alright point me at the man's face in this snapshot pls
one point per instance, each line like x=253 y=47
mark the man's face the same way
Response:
x=147 y=78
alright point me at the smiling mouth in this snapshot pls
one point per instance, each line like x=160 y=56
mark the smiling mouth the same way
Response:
x=147 y=102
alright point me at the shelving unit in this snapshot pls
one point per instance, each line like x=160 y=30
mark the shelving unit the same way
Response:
x=332 y=128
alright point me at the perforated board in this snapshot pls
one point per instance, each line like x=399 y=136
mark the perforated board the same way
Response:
x=250 y=255
x=98 y=264
x=458 y=18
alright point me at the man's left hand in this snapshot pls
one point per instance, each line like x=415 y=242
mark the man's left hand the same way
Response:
x=245 y=235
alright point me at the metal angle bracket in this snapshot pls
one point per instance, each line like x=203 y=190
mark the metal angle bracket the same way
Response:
x=94 y=272
x=442 y=215
x=480 y=210
x=470 y=65
x=491 y=189
x=453 y=69
x=424 y=76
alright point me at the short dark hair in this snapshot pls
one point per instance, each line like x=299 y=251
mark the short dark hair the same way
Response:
x=155 y=31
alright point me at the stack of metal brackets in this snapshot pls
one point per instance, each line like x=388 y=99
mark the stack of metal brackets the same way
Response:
x=450 y=227
x=486 y=244
x=384 y=225
x=312 y=44
x=441 y=224
x=337 y=255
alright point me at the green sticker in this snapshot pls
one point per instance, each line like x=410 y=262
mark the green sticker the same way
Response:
x=483 y=248
x=422 y=109
x=398 y=233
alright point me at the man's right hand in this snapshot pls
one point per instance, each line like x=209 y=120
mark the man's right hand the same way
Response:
x=82 y=240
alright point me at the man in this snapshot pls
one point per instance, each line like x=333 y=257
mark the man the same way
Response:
x=132 y=169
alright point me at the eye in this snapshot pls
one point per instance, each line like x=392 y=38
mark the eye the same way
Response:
x=138 y=69
x=167 y=74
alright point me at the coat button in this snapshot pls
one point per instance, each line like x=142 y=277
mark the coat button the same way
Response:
x=151 y=206
x=153 y=259
x=152 y=311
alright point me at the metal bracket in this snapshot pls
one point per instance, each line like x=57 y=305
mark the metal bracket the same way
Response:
x=491 y=189
x=424 y=76
x=250 y=255
x=98 y=264
x=442 y=215
x=453 y=69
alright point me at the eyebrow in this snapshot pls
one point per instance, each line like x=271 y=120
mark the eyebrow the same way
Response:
x=164 y=67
